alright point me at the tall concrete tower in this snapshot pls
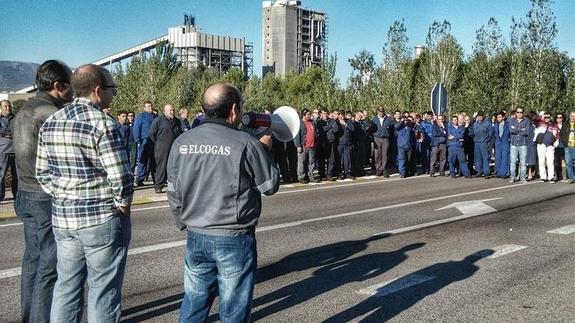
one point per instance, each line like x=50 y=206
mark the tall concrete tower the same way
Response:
x=294 y=38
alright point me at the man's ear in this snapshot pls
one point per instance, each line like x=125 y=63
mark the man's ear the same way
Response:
x=60 y=87
x=234 y=111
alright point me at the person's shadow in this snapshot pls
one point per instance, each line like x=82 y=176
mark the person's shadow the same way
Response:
x=298 y=261
x=314 y=257
x=331 y=276
x=399 y=295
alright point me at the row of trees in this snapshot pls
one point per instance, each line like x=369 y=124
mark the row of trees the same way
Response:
x=529 y=71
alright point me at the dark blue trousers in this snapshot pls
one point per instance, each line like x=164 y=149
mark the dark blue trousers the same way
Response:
x=481 y=156
x=502 y=158
x=345 y=153
x=145 y=157
x=455 y=155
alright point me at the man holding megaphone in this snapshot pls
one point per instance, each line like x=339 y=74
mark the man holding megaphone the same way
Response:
x=216 y=175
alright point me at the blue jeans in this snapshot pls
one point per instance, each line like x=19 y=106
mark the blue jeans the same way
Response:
x=39 y=261
x=224 y=264
x=514 y=152
x=97 y=254
x=569 y=157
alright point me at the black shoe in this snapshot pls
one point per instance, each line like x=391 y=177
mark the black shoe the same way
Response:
x=139 y=183
x=302 y=181
x=487 y=177
x=385 y=174
x=332 y=179
x=158 y=190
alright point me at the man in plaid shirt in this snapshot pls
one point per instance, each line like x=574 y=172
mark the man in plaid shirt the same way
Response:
x=83 y=164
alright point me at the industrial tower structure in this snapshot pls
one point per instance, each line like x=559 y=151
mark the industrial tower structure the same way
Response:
x=213 y=51
x=294 y=38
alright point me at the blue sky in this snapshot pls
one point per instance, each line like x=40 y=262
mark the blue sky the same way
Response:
x=82 y=31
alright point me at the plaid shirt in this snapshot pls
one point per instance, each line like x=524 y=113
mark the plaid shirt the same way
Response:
x=83 y=164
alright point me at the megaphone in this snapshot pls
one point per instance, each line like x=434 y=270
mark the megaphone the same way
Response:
x=284 y=122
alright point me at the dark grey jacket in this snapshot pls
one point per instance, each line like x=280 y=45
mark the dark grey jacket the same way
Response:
x=163 y=132
x=519 y=131
x=6 y=134
x=25 y=127
x=216 y=175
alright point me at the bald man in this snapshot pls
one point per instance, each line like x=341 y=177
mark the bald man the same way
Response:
x=83 y=164
x=164 y=130
x=7 y=160
x=216 y=175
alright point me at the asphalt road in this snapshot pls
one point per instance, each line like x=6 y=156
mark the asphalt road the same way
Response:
x=404 y=250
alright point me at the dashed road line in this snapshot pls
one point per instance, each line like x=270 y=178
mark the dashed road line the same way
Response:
x=505 y=250
x=568 y=229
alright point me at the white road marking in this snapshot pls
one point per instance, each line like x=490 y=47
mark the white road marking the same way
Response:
x=472 y=207
x=13 y=272
x=394 y=285
x=568 y=229
x=10 y=224
x=505 y=250
x=150 y=208
x=158 y=198
x=160 y=246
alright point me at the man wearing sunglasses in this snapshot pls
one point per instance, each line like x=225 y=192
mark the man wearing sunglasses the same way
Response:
x=519 y=129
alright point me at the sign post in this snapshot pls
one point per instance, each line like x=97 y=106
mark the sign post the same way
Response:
x=438 y=99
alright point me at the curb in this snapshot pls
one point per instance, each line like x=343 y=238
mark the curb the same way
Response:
x=10 y=214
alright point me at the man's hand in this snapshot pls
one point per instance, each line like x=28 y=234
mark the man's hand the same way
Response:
x=299 y=150
x=450 y=137
x=124 y=210
x=266 y=139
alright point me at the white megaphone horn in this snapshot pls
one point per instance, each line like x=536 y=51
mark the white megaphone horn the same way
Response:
x=284 y=122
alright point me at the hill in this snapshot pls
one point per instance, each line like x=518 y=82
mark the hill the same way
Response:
x=15 y=76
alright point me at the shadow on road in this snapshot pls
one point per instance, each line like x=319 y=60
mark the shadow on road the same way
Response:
x=166 y=305
x=331 y=276
x=315 y=257
x=299 y=261
x=395 y=297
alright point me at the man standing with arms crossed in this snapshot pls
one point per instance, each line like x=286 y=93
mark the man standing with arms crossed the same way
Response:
x=32 y=205
x=519 y=128
x=216 y=175
x=83 y=164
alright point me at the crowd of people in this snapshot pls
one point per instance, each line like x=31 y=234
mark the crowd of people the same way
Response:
x=341 y=145
x=74 y=169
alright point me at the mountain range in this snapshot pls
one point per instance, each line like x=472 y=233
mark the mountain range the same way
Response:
x=15 y=76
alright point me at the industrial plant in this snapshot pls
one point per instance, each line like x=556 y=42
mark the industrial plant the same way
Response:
x=294 y=38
